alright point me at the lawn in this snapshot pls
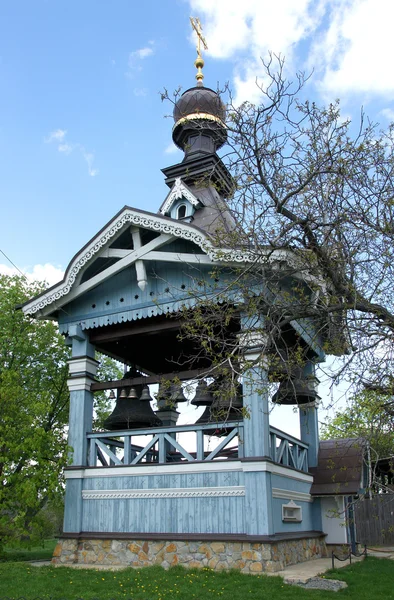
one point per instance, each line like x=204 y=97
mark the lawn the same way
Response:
x=372 y=579
x=42 y=551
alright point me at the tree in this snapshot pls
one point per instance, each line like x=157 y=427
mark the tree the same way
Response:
x=313 y=201
x=34 y=410
x=34 y=402
x=365 y=417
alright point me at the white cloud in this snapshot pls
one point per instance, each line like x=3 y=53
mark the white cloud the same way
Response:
x=348 y=43
x=48 y=272
x=140 y=92
x=58 y=137
x=388 y=114
x=136 y=56
x=356 y=48
x=171 y=149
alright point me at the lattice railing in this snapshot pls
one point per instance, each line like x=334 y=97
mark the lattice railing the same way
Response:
x=288 y=451
x=120 y=448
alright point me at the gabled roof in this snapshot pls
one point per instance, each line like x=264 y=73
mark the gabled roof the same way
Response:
x=340 y=468
x=178 y=190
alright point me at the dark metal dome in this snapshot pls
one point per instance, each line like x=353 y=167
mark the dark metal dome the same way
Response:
x=199 y=100
x=199 y=117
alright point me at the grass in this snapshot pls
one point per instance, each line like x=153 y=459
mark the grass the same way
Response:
x=372 y=579
x=42 y=551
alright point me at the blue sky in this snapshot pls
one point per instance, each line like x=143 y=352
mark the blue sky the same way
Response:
x=82 y=127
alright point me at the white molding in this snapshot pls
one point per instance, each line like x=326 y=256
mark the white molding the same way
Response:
x=183 y=257
x=77 y=384
x=199 y=492
x=179 y=190
x=54 y=297
x=190 y=468
x=291 y=495
x=83 y=364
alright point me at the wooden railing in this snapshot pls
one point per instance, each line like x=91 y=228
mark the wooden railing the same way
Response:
x=287 y=450
x=108 y=449
x=119 y=448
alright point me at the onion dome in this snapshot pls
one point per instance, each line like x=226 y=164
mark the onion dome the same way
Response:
x=199 y=112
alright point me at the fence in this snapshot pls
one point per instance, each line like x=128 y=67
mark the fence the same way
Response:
x=375 y=520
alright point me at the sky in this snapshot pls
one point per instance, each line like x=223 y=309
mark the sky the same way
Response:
x=83 y=130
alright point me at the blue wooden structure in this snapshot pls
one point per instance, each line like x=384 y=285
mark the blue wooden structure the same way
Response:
x=133 y=487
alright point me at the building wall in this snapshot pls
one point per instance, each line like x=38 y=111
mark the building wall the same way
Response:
x=334 y=519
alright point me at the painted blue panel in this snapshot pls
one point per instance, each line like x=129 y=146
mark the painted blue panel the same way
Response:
x=165 y=515
x=80 y=421
x=169 y=285
x=258 y=501
x=288 y=483
x=232 y=478
x=308 y=523
x=73 y=506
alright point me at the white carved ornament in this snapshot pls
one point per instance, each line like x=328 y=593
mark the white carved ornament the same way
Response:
x=154 y=223
x=178 y=190
x=164 y=493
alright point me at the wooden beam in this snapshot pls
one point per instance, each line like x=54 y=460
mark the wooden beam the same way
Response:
x=96 y=337
x=119 y=383
x=122 y=263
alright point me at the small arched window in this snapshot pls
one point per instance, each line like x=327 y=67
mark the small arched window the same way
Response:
x=181 y=211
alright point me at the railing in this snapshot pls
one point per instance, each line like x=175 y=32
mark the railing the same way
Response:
x=108 y=449
x=288 y=451
x=118 y=448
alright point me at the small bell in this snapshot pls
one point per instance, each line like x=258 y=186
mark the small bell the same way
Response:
x=112 y=395
x=145 y=396
x=132 y=395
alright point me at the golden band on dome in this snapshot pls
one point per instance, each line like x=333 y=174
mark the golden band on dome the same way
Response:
x=199 y=115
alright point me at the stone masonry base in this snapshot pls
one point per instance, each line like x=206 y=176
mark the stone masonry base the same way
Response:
x=248 y=557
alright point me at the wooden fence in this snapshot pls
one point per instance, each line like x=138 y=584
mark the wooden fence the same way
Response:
x=375 y=520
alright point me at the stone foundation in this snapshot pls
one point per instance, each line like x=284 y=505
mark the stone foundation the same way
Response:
x=248 y=557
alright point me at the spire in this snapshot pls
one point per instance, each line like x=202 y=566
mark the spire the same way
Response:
x=199 y=62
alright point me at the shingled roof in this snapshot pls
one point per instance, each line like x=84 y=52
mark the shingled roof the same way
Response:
x=341 y=467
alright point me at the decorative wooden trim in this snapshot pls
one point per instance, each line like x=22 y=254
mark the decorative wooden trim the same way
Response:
x=188 y=468
x=203 y=537
x=291 y=495
x=179 y=190
x=199 y=492
x=160 y=224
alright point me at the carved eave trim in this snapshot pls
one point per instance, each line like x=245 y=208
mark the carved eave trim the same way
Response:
x=200 y=492
x=57 y=296
x=179 y=190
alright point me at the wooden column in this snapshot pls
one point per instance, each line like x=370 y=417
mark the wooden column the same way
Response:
x=83 y=368
x=309 y=424
x=258 y=488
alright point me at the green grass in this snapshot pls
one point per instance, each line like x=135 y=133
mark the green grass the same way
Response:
x=42 y=551
x=372 y=579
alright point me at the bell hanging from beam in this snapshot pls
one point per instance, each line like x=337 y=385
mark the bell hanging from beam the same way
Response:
x=168 y=396
x=296 y=391
x=226 y=406
x=131 y=412
x=203 y=396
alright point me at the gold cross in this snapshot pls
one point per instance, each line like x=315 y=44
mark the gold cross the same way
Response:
x=195 y=21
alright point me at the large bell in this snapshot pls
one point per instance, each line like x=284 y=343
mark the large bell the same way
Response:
x=132 y=411
x=296 y=391
x=203 y=396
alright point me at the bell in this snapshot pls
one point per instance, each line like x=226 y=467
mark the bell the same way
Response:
x=225 y=407
x=169 y=395
x=112 y=395
x=145 y=396
x=204 y=396
x=295 y=391
x=130 y=412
